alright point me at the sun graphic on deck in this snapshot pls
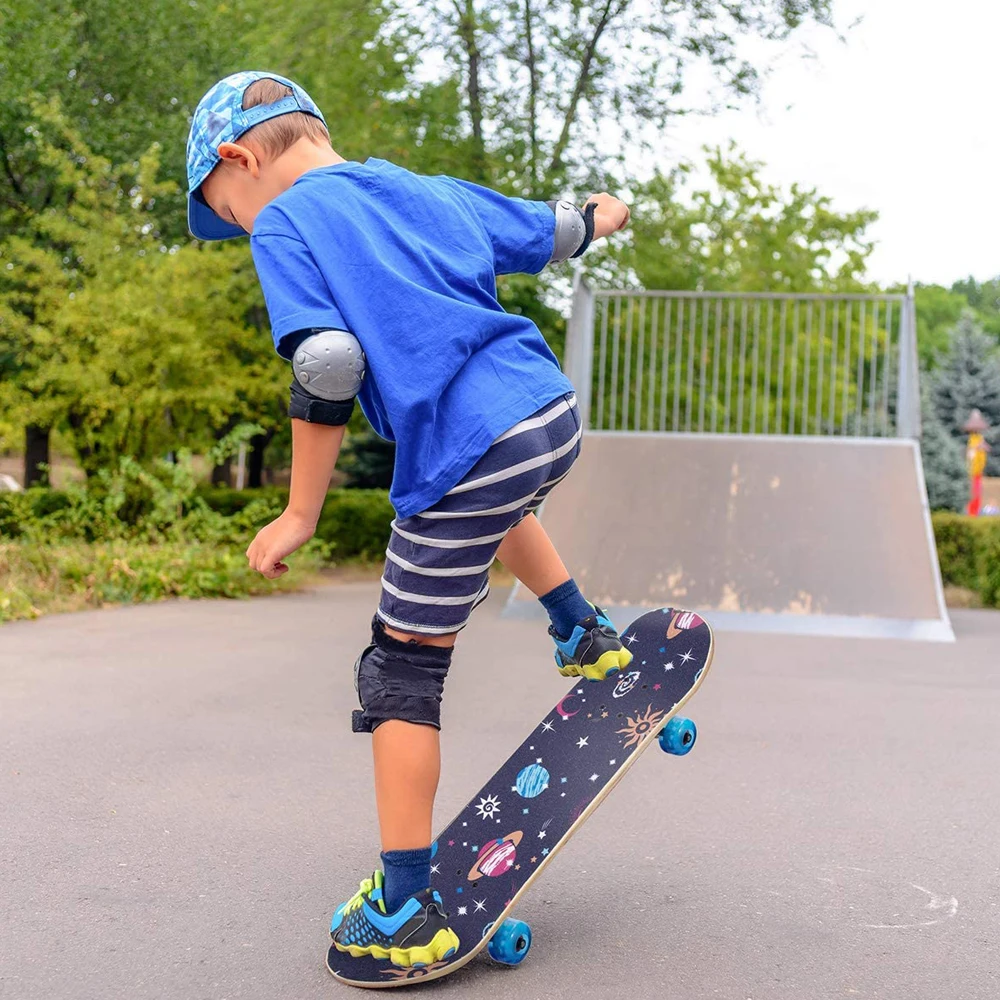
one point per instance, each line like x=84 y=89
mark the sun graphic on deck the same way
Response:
x=488 y=807
x=636 y=729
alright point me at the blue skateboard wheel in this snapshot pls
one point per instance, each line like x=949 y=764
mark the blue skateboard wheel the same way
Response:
x=678 y=736
x=511 y=942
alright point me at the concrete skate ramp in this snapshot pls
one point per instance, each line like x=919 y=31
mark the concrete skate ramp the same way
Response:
x=822 y=536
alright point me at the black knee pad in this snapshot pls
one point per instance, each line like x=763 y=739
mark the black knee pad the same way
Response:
x=399 y=680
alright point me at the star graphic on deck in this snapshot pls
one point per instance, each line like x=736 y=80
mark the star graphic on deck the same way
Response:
x=656 y=687
x=590 y=715
x=593 y=777
x=612 y=762
x=463 y=910
x=533 y=860
x=604 y=715
x=583 y=742
x=545 y=851
x=632 y=639
x=538 y=760
x=488 y=807
x=689 y=655
x=435 y=869
x=451 y=843
x=517 y=868
x=547 y=727
x=562 y=781
x=668 y=666
x=480 y=905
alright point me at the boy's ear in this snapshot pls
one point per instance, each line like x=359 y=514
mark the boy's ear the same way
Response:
x=239 y=156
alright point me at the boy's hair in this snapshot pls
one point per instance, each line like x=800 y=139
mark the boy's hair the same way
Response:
x=278 y=134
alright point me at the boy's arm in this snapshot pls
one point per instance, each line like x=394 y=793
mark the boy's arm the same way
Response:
x=328 y=368
x=527 y=235
x=315 y=448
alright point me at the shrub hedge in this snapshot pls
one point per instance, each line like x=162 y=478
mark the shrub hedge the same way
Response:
x=354 y=525
x=969 y=554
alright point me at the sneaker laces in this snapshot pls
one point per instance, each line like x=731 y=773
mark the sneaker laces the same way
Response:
x=365 y=889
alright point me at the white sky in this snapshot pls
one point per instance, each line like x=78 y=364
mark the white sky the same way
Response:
x=901 y=118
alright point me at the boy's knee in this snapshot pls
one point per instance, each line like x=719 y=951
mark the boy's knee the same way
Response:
x=399 y=680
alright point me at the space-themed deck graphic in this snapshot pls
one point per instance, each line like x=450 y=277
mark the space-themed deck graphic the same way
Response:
x=517 y=821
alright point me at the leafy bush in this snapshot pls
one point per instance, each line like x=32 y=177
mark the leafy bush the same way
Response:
x=146 y=533
x=969 y=554
x=163 y=503
x=356 y=524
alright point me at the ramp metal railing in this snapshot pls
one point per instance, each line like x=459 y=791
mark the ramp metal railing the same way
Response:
x=745 y=363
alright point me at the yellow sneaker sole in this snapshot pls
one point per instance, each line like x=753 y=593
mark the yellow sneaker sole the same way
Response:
x=443 y=943
x=608 y=664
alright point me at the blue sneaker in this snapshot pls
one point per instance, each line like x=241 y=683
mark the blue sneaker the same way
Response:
x=416 y=934
x=594 y=650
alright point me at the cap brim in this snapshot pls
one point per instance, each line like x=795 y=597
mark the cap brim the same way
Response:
x=206 y=225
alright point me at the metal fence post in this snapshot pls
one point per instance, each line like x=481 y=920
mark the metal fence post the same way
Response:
x=908 y=399
x=579 y=361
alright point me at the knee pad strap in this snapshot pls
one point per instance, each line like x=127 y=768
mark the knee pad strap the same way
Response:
x=399 y=680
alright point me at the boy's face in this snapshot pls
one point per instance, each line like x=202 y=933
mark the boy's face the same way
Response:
x=241 y=185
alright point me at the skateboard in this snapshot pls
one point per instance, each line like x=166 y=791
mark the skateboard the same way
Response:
x=498 y=845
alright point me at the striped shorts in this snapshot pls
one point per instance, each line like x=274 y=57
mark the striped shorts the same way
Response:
x=438 y=561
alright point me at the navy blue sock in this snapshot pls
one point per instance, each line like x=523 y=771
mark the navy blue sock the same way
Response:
x=566 y=607
x=406 y=872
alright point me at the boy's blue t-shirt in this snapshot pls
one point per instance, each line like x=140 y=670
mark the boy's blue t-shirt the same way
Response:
x=408 y=264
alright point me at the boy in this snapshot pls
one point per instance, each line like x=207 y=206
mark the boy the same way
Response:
x=380 y=285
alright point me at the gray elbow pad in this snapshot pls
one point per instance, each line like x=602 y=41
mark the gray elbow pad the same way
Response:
x=329 y=368
x=574 y=230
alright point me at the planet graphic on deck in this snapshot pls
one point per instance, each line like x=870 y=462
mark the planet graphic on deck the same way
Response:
x=531 y=781
x=496 y=857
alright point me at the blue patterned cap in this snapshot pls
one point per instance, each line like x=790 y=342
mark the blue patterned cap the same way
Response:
x=220 y=118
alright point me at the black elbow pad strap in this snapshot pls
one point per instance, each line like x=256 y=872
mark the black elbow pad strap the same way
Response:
x=303 y=406
x=588 y=220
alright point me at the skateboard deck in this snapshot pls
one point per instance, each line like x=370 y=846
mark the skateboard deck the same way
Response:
x=495 y=849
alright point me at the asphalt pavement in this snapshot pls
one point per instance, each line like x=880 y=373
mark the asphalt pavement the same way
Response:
x=182 y=804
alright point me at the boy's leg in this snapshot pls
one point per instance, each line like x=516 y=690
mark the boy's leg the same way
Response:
x=407 y=768
x=586 y=641
x=529 y=554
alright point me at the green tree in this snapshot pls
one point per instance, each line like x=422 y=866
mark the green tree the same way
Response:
x=984 y=298
x=944 y=459
x=94 y=220
x=938 y=310
x=725 y=228
x=540 y=82
x=168 y=357
x=968 y=376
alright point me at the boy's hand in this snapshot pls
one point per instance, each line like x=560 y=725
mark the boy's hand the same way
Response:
x=610 y=214
x=278 y=539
